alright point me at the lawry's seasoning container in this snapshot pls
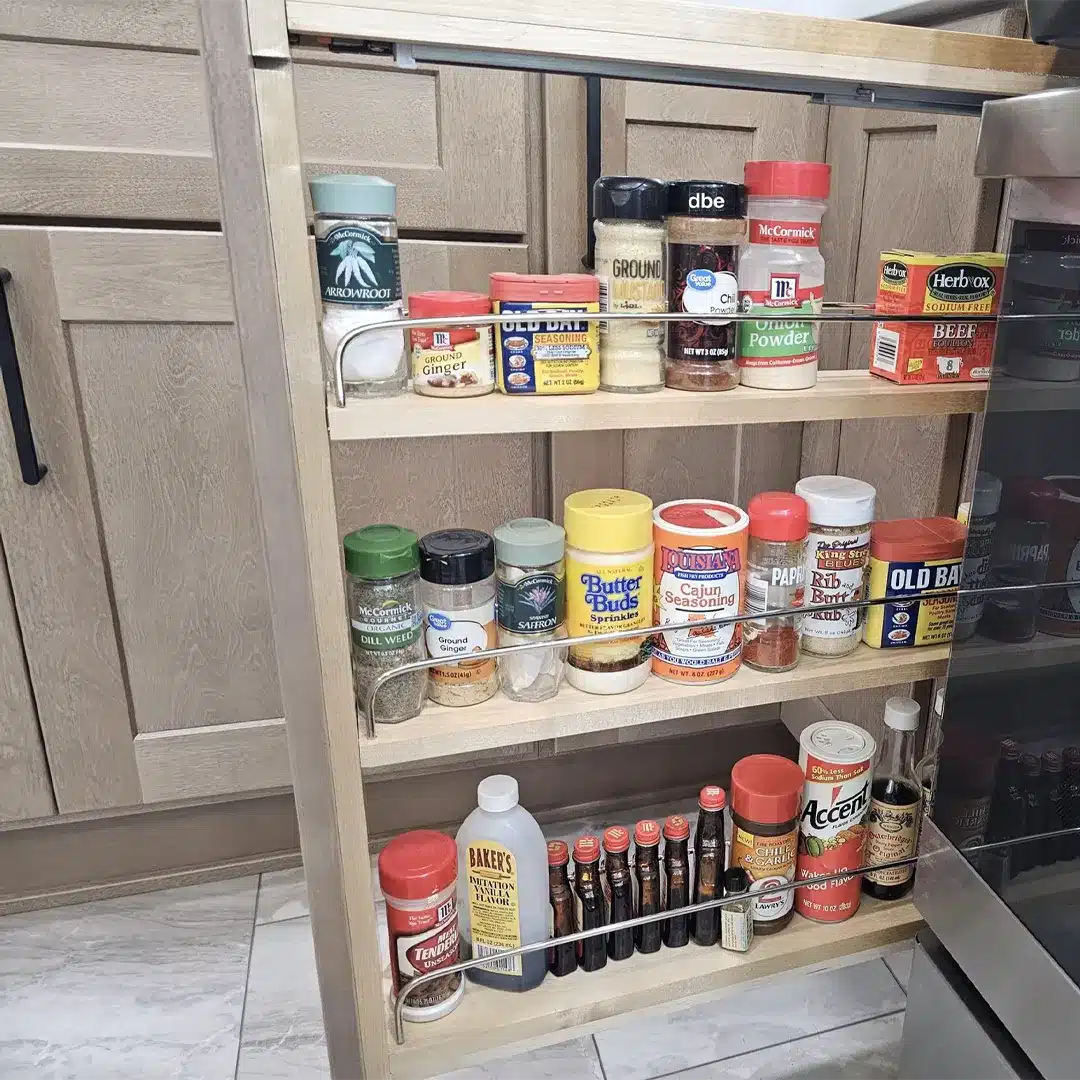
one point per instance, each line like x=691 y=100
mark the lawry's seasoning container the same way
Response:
x=457 y=568
x=837 y=548
x=609 y=586
x=356 y=249
x=629 y=228
x=451 y=361
x=706 y=226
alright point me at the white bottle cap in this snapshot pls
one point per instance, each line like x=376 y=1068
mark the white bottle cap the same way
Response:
x=837 y=500
x=496 y=794
x=987 y=495
x=902 y=713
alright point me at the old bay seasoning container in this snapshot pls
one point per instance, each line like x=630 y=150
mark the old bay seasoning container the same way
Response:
x=451 y=361
x=765 y=792
x=700 y=564
x=418 y=876
x=548 y=351
x=609 y=586
x=909 y=558
x=837 y=762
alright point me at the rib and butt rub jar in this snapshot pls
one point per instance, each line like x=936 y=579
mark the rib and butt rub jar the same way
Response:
x=782 y=271
x=700 y=561
x=451 y=361
x=909 y=558
x=765 y=792
x=629 y=228
x=548 y=351
x=418 y=877
x=457 y=568
x=837 y=547
x=609 y=586
x=706 y=226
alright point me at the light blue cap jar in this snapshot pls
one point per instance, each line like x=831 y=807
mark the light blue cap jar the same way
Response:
x=349 y=193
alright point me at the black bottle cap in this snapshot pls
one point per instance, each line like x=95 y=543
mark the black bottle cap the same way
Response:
x=633 y=198
x=1030 y=765
x=1010 y=749
x=456 y=556
x=706 y=198
x=1051 y=761
x=736 y=881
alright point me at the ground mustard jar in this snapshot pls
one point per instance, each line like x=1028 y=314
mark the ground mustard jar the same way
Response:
x=609 y=586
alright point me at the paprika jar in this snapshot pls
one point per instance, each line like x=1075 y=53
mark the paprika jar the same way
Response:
x=451 y=361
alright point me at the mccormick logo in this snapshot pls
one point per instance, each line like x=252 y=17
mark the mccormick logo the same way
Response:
x=719 y=561
x=795 y=233
x=838 y=813
x=960 y=283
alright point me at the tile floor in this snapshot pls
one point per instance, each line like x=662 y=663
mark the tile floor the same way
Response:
x=215 y=982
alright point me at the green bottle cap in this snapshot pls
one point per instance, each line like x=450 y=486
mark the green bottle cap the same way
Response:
x=350 y=193
x=529 y=542
x=381 y=551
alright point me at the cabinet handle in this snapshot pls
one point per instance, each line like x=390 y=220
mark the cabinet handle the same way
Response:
x=33 y=471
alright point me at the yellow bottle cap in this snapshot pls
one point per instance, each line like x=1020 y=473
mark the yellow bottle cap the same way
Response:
x=608 y=520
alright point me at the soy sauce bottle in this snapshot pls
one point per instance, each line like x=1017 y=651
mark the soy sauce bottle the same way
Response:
x=619 y=888
x=1032 y=788
x=708 y=863
x=561 y=959
x=676 y=884
x=592 y=907
x=647 y=881
x=1050 y=849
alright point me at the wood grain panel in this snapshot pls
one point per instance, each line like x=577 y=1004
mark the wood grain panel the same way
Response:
x=25 y=790
x=55 y=559
x=585 y=459
x=165 y=24
x=682 y=463
x=167 y=431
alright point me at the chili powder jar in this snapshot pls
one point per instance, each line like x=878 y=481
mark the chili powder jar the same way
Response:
x=765 y=793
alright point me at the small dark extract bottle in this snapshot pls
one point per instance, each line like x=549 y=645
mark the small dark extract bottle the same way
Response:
x=647 y=880
x=561 y=959
x=676 y=885
x=708 y=863
x=1071 y=802
x=619 y=887
x=1006 y=820
x=592 y=907
x=1031 y=784
x=1053 y=817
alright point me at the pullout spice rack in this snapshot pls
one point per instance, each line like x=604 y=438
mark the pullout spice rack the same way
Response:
x=247 y=54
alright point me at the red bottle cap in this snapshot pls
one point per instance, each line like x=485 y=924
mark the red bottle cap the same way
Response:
x=712 y=798
x=917 y=539
x=787 y=179
x=616 y=839
x=558 y=853
x=766 y=788
x=571 y=288
x=586 y=849
x=1029 y=497
x=646 y=833
x=430 y=305
x=676 y=827
x=778 y=515
x=418 y=864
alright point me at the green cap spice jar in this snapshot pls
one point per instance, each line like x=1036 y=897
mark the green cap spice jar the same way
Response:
x=382 y=565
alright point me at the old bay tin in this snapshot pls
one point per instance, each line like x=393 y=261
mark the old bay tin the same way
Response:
x=699 y=573
x=837 y=761
x=548 y=351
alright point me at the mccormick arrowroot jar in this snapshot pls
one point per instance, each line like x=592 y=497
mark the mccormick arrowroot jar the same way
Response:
x=700 y=566
x=837 y=762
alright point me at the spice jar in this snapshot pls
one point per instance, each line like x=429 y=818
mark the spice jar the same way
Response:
x=706 y=225
x=531 y=605
x=457 y=568
x=629 y=228
x=418 y=877
x=451 y=361
x=837 y=548
x=1059 y=608
x=356 y=249
x=980 y=518
x=775 y=573
x=609 y=586
x=382 y=567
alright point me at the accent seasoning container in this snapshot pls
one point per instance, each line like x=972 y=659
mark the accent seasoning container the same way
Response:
x=451 y=361
x=699 y=569
x=418 y=877
x=837 y=760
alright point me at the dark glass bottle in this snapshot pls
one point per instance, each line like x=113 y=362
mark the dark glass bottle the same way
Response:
x=591 y=952
x=708 y=863
x=561 y=959
x=1031 y=785
x=1053 y=819
x=1071 y=802
x=620 y=892
x=676 y=890
x=1006 y=821
x=647 y=878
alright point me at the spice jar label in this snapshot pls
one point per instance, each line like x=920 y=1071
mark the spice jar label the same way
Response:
x=391 y=624
x=548 y=351
x=534 y=604
x=452 y=361
x=602 y=598
x=907 y=622
x=835 y=566
x=459 y=633
x=891 y=835
x=358 y=266
x=419 y=947
x=494 y=923
x=703 y=282
x=774 y=343
x=768 y=861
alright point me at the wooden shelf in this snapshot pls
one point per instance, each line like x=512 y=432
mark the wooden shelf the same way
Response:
x=980 y=656
x=489 y=1019
x=440 y=731
x=839 y=395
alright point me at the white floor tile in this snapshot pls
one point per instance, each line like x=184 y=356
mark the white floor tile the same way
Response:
x=574 y=1060
x=282 y=895
x=136 y=988
x=741 y=1020
x=900 y=964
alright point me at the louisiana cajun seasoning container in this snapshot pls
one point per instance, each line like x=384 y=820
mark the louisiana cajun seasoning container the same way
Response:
x=837 y=762
x=700 y=568
x=418 y=876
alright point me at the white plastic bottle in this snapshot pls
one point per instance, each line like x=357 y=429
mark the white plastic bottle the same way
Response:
x=502 y=887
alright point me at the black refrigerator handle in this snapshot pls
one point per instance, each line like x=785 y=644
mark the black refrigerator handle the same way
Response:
x=33 y=471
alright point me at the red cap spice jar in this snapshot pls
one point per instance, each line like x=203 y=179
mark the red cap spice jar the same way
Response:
x=765 y=792
x=775 y=573
x=418 y=876
x=451 y=361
